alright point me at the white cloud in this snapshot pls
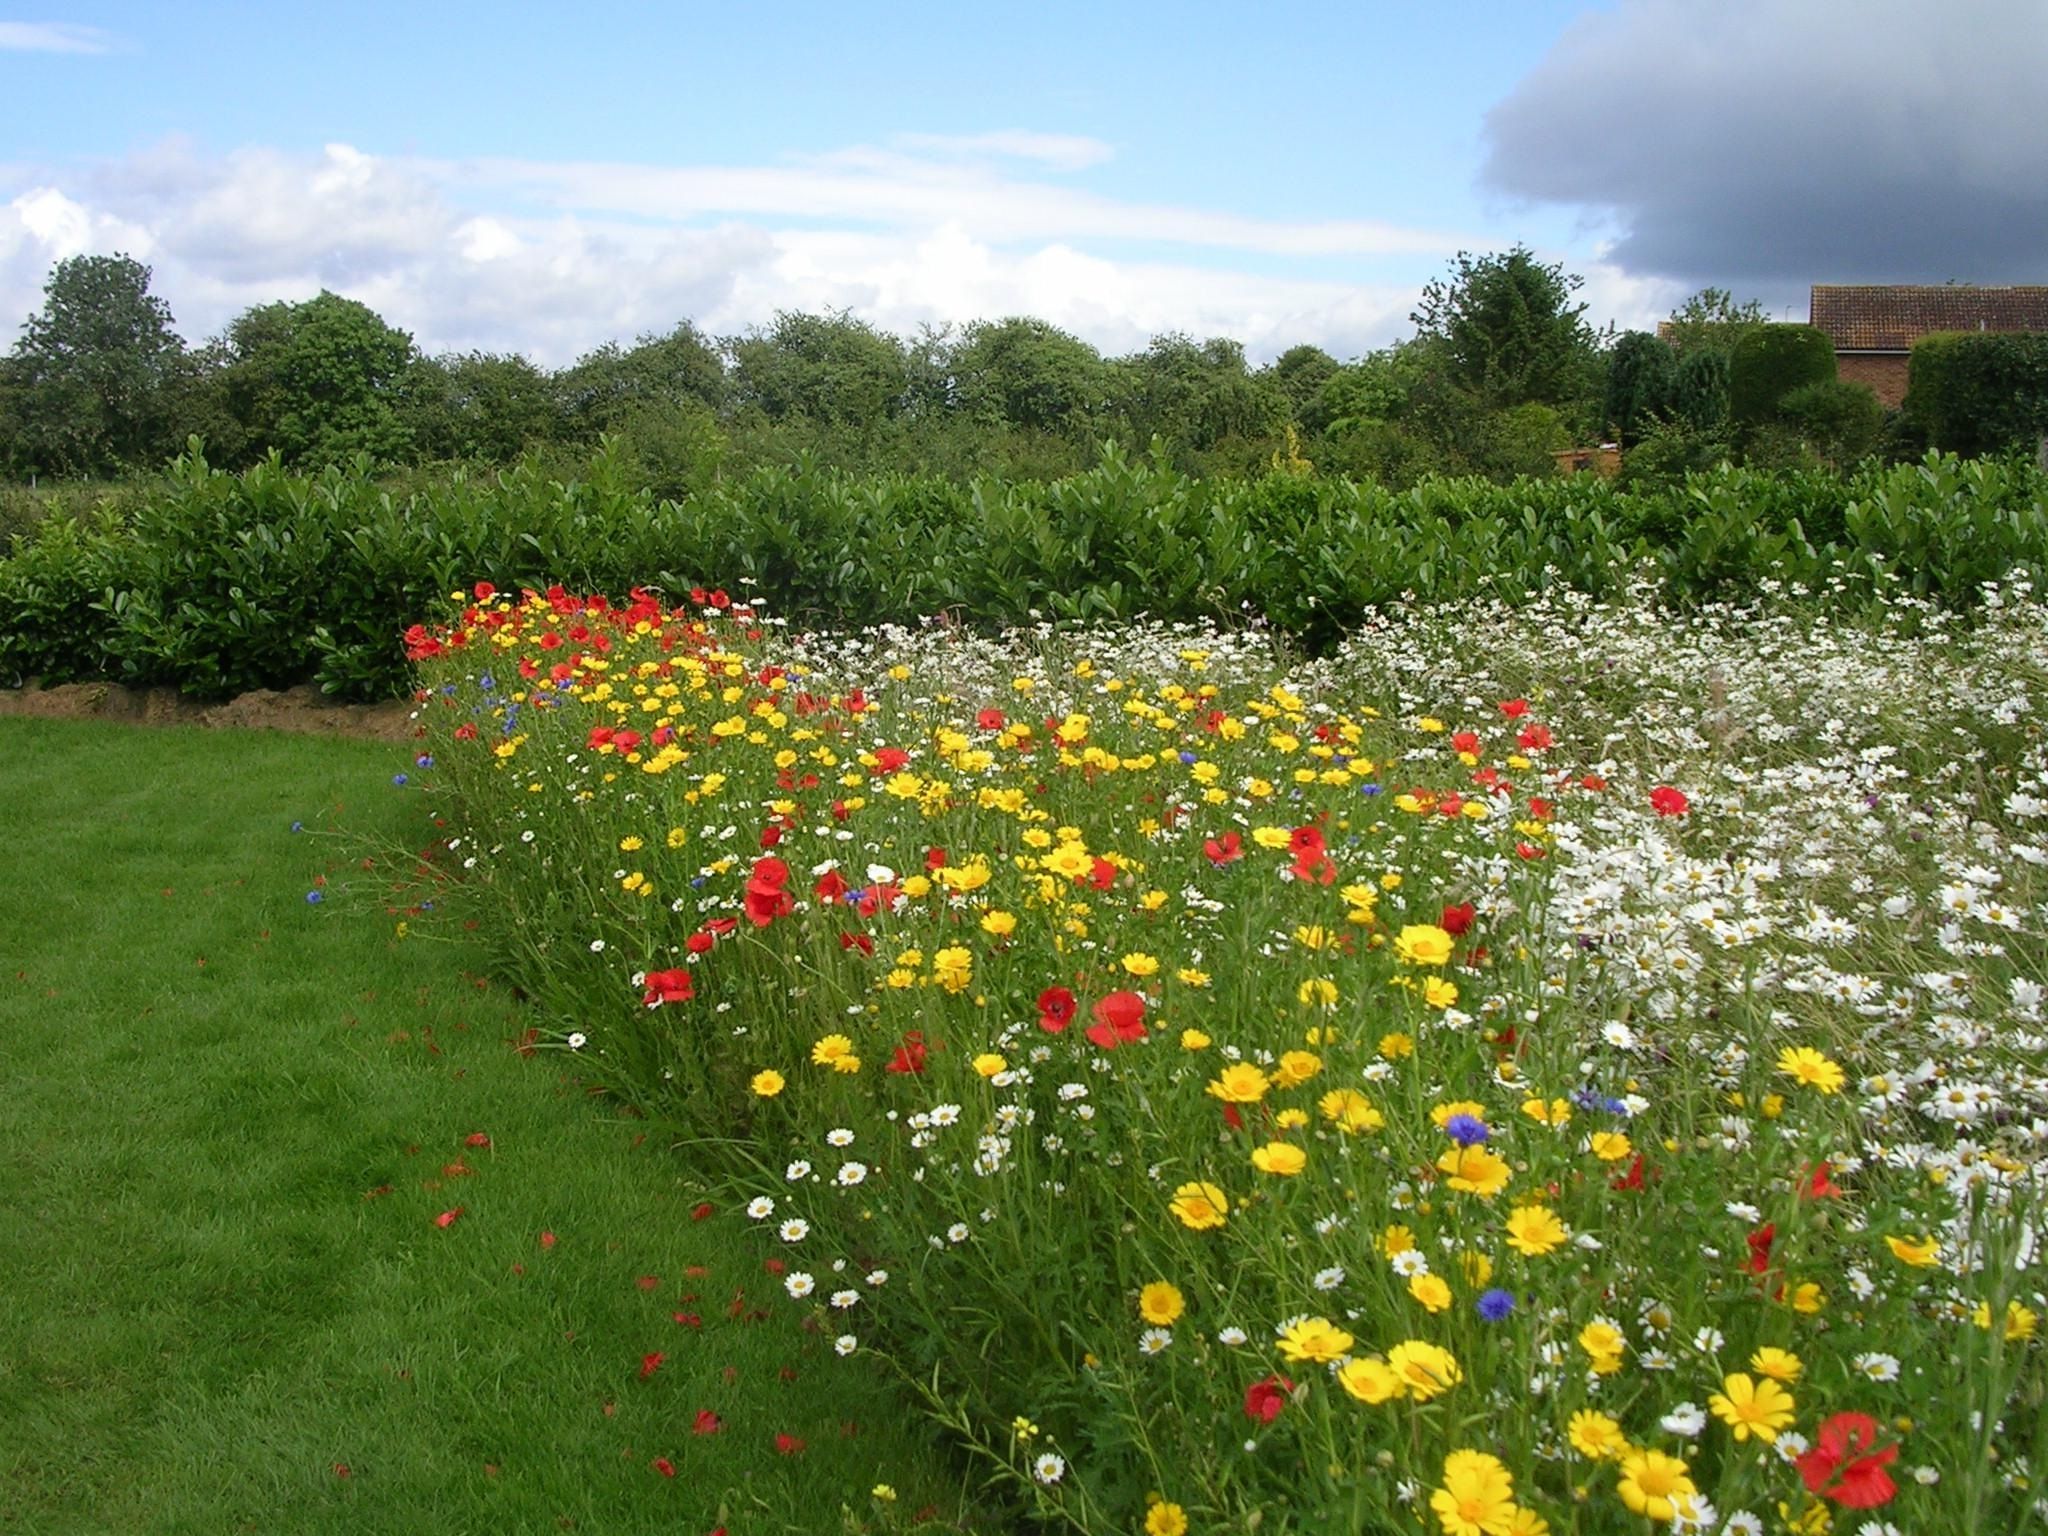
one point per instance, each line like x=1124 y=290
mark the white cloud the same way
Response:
x=52 y=37
x=554 y=259
x=1059 y=151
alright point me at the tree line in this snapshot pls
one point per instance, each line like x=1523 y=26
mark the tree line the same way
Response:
x=1502 y=371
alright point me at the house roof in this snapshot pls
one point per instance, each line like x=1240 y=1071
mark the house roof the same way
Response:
x=1891 y=318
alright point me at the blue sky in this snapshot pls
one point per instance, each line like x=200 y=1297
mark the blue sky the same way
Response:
x=544 y=178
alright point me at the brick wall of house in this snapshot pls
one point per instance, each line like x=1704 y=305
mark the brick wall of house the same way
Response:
x=1885 y=375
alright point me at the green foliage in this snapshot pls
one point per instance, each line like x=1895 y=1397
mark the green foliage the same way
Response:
x=1976 y=393
x=1711 y=321
x=1641 y=379
x=1301 y=374
x=1842 y=419
x=219 y=583
x=481 y=406
x=1667 y=451
x=90 y=380
x=831 y=369
x=607 y=387
x=321 y=381
x=1028 y=375
x=1771 y=361
x=1193 y=395
x=1510 y=331
x=1699 y=389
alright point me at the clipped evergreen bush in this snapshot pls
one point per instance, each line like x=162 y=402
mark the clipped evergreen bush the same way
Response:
x=1769 y=363
x=1975 y=392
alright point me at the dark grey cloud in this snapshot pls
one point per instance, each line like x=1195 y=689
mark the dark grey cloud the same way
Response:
x=1765 y=145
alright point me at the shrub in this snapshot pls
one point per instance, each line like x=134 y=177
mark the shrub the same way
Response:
x=1769 y=363
x=1976 y=393
x=1843 y=420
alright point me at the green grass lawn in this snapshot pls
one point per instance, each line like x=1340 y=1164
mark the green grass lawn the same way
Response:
x=231 y=1120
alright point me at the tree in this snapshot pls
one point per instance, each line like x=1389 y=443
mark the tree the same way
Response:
x=1028 y=374
x=481 y=405
x=1195 y=394
x=1511 y=333
x=322 y=380
x=92 y=369
x=832 y=369
x=606 y=387
x=1699 y=390
x=1711 y=320
x=1640 y=375
x=1299 y=374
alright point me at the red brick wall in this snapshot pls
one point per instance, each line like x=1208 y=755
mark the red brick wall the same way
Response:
x=1885 y=375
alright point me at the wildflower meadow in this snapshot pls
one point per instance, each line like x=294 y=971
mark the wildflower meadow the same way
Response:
x=1572 y=1067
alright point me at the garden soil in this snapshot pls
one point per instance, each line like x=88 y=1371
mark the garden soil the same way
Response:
x=305 y=710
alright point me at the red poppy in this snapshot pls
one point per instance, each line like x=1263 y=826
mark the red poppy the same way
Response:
x=448 y=1218
x=1534 y=738
x=990 y=720
x=1847 y=1465
x=1101 y=875
x=477 y=1139
x=1055 y=1009
x=668 y=987
x=1514 y=709
x=650 y=1363
x=830 y=887
x=1457 y=920
x=771 y=836
x=1666 y=801
x=889 y=759
x=1633 y=1179
x=765 y=898
x=664 y=1466
x=788 y=1445
x=1466 y=741
x=1450 y=805
x=863 y=942
x=1760 y=1247
x=1263 y=1400
x=706 y=1423
x=1227 y=849
x=909 y=1057
x=699 y=943
x=547 y=1239
x=1305 y=841
x=1528 y=851
x=1119 y=1020
x=1819 y=1185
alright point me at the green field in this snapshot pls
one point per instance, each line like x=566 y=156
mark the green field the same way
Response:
x=233 y=1118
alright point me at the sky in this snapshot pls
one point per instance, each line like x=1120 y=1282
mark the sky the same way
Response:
x=543 y=178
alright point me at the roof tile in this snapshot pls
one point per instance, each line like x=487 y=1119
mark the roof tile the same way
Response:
x=1872 y=318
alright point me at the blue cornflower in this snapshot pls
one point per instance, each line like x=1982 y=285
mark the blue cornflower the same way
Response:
x=1466 y=1130
x=424 y=760
x=1187 y=757
x=314 y=898
x=488 y=683
x=1496 y=1304
x=1368 y=789
x=398 y=778
x=298 y=826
